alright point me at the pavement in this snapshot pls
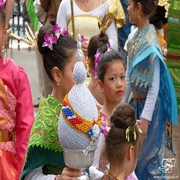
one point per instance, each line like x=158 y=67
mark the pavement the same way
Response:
x=26 y=57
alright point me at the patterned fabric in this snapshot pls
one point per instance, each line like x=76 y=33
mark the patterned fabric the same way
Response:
x=76 y=121
x=44 y=147
x=146 y=52
x=173 y=57
x=7 y=123
x=44 y=132
x=7 y=116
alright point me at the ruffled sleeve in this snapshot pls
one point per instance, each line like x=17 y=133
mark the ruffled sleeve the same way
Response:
x=116 y=11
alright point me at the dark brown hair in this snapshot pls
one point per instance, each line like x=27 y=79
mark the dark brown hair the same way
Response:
x=116 y=146
x=95 y=43
x=148 y=6
x=62 y=51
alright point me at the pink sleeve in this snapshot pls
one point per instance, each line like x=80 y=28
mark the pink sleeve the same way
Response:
x=25 y=117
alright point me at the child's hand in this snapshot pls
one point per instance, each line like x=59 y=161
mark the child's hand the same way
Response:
x=143 y=124
x=69 y=174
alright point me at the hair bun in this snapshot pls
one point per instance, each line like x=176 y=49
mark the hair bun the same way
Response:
x=123 y=116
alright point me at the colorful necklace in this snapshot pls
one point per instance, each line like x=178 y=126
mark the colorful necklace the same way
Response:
x=112 y=177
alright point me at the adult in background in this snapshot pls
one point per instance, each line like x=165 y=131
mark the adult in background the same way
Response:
x=124 y=31
x=92 y=17
x=154 y=98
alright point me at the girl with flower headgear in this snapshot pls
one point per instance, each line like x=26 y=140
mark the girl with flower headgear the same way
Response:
x=16 y=112
x=45 y=159
x=110 y=70
x=95 y=43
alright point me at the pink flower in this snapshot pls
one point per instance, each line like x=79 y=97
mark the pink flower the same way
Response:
x=97 y=58
x=104 y=131
x=49 y=40
x=83 y=38
x=109 y=48
x=59 y=31
x=2 y=3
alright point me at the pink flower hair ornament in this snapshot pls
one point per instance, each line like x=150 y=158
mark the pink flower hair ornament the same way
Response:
x=109 y=48
x=50 y=39
x=59 y=31
x=2 y=4
x=83 y=39
x=97 y=58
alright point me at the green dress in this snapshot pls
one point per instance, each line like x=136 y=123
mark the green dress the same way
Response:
x=44 y=148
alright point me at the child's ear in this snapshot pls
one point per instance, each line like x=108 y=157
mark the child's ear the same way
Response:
x=101 y=85
x=131 y=153
x=57 y=74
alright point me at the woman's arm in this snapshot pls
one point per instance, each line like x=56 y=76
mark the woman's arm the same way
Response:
x=151 y=99
x=152 y=93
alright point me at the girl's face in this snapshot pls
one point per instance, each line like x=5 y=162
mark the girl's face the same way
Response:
x=67 y=80
x=132 y=11
x=114 y=84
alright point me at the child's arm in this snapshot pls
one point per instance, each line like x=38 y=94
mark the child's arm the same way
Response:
x=24 y=116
